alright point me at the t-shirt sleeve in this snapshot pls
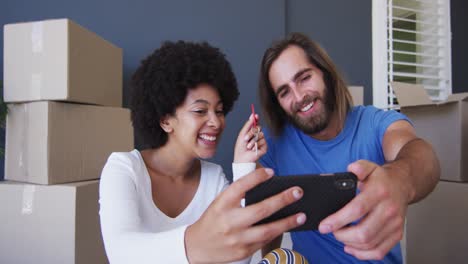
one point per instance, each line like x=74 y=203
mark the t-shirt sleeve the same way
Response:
x=383 y=119
x=239 y=170
x=125 y=240
x=225 y=182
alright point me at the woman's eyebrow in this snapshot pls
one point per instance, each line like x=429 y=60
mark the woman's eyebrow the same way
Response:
x=200 y=101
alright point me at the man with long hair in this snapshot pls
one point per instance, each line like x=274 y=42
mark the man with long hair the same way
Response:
x=314 y=128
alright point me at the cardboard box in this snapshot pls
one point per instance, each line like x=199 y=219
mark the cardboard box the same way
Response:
x=50 y=142
x=436 y=227
x=443 y=124
x=357 y=93
x=60 y=60
x=50 y=224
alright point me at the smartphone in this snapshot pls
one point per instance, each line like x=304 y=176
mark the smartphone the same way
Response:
x=324 y=194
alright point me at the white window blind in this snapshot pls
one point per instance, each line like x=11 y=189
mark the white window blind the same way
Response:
x=415 y=48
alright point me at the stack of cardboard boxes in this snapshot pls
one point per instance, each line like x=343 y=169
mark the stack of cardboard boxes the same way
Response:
x=63 y=84
x=436 y=227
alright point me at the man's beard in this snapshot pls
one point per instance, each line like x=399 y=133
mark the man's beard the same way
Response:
x=316 y=123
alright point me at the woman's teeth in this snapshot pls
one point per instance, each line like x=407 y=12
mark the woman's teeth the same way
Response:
x=209 y=138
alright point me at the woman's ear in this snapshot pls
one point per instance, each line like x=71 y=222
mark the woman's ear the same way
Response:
x=166 y=125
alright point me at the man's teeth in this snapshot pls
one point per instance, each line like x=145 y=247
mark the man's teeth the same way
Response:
x=209 y=138
x=307 y=107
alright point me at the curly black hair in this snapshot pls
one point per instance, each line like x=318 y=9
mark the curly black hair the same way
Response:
x=163 y=79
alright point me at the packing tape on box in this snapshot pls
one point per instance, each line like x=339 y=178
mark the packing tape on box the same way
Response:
x=28 y=199
x=37 y=33
x=37 y=44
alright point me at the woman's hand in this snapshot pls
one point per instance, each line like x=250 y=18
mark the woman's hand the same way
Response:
x=226 y=231
x=251 y=143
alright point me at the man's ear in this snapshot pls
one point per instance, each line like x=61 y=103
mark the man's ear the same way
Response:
x=166 y=125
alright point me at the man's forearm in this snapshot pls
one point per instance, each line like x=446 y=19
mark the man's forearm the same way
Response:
x=418 y=168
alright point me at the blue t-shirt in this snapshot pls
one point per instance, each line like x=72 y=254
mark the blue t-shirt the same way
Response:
x=294 y=152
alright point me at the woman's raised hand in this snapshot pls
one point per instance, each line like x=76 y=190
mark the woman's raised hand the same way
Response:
x=251 y=143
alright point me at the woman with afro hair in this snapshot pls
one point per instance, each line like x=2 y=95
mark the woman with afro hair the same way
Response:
x=165 y=203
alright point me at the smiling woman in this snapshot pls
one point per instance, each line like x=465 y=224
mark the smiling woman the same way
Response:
x=197 y=124
x=165 y=77
x=152 y=201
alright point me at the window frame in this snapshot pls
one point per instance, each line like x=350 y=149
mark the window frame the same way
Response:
x=382 y=92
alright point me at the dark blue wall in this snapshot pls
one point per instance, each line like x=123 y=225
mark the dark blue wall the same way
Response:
x=344 y=29
x=242 y=29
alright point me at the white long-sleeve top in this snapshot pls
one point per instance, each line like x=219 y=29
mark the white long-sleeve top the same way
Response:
x=133 y=228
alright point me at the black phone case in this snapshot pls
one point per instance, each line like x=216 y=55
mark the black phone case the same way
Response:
x=324 y=194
